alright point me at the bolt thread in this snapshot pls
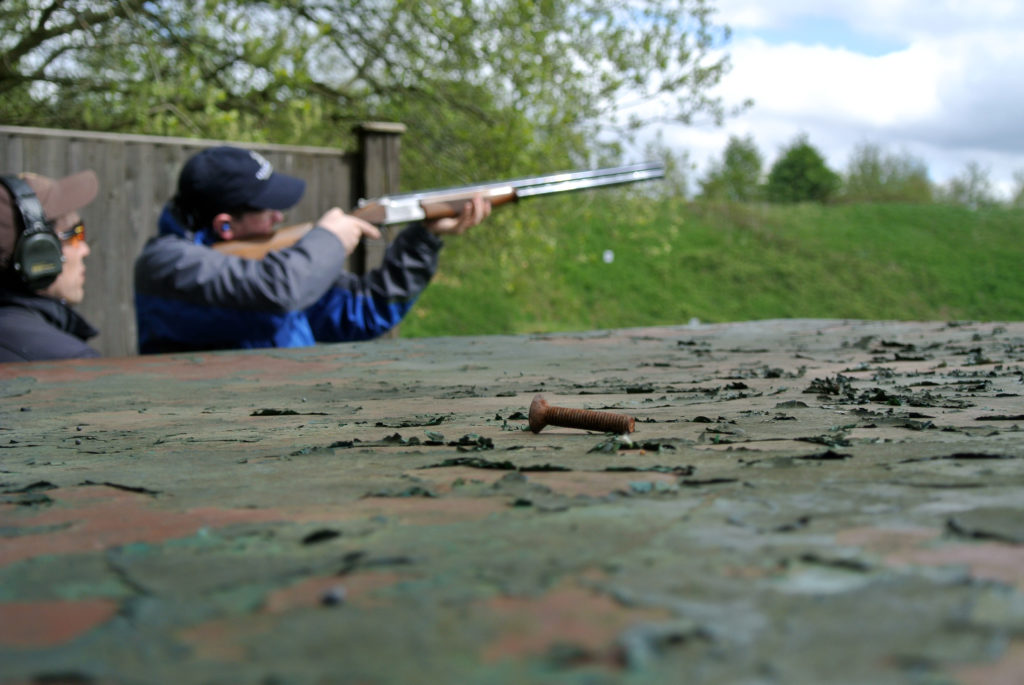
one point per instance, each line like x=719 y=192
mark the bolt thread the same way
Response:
x=586 y=419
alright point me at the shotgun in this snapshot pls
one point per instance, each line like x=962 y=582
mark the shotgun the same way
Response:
x=444 y=202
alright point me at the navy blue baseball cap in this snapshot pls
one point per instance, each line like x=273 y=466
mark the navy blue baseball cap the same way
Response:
x=220 y=179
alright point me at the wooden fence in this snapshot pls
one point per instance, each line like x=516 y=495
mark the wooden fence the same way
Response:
x=138 y=175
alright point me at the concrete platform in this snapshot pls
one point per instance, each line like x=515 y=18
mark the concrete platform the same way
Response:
x=802 y=502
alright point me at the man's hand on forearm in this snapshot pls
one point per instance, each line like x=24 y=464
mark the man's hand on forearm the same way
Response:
x=474 y=211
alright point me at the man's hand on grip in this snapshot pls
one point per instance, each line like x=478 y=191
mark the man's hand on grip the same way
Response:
x=347 y=228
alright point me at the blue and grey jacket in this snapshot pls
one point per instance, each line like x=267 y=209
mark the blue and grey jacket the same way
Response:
x=189 y=296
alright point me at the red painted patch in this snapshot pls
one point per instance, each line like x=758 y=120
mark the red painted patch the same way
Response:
x=917 y=545
x=887 y=540
x=102 y=517
x=49 y=623
x=587 y=619
x=1008 y=670
x=224 y=639
x=988 y=560
x=249 y=366
x=93 y=518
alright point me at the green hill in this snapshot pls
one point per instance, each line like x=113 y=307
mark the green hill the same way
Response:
x=539 y=267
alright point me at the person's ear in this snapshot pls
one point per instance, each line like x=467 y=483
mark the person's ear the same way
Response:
x=222 y=225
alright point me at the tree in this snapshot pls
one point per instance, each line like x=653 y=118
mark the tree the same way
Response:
x=737 y=177
x=801 y=175
x=486 y=87
x=679 y=168
x=1017 y=195
x=875 y=176
x=971 y=188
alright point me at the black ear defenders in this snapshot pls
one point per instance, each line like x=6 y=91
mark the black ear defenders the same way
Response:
x=38 y=257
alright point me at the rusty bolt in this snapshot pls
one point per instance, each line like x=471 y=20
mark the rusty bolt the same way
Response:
x=542 y=414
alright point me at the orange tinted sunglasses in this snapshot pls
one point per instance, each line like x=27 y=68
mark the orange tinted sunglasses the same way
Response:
x=74 y=235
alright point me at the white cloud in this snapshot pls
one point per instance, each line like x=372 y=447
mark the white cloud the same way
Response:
x=820 y=82
x=952 y=93
x=908 y=19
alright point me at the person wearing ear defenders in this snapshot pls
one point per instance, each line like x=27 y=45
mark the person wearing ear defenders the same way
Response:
x=42 y=266
x=189 y=296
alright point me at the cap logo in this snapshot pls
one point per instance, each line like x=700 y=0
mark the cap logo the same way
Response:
x=265 y=170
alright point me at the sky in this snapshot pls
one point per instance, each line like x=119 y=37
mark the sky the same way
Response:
x=941 y=80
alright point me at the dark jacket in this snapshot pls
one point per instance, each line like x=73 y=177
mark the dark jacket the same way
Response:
x=189 y=296
x=35 y=328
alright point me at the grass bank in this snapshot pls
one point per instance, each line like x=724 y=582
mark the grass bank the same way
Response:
x=540 y=267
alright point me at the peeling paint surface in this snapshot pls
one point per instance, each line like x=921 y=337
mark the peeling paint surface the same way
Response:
x=802 y=501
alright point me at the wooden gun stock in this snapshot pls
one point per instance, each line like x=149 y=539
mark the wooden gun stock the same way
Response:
x=448 y=202
x=258 y=248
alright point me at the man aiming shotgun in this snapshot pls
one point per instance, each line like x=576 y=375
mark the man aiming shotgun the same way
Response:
x=194 y=290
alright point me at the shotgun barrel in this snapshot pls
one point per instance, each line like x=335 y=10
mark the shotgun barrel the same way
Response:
x=529 y=186
x=441 y=202
x=422 y=205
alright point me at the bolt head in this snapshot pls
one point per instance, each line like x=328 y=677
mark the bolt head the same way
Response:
x=538 y=409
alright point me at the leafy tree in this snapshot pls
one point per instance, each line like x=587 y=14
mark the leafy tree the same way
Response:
x=801 y=175
x=679 y=168
x=486 y=88
x=1017 y=195
x=737 y=177
x=875 y=176
x=971 y=188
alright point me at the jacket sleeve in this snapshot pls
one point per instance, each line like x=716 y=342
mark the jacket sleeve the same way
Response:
x=360 y=307
x=289 y=280
x=190 y=297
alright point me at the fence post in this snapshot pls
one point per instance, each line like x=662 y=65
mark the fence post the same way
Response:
x=378 y=164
